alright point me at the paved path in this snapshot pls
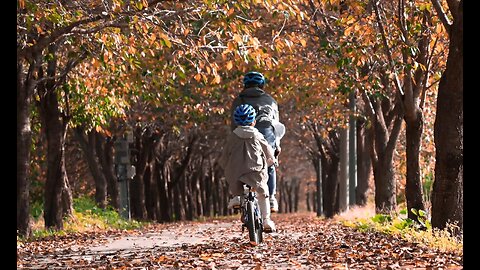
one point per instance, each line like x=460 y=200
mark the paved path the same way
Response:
x=193 y=234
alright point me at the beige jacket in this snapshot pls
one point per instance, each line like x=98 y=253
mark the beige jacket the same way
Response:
x=245 y=159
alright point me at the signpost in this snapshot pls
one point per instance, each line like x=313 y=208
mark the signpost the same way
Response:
x=124 y=171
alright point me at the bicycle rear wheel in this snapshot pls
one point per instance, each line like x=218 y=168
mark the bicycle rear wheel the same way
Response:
x=259 y=224
x=252 y=224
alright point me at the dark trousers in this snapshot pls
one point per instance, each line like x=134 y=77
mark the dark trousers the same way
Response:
x=269 y=135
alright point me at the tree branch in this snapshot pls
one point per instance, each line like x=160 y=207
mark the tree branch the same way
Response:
x=442 y=16
x=401 y=20
x=368 y=104
x=61 y=77
x=281 y=29
x=116 y=24
x=397 y=125
x=44 y=41
x=387 y=48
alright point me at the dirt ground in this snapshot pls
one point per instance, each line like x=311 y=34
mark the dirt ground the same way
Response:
x=302 y=241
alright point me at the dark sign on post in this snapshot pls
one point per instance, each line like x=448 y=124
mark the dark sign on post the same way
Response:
x=122 y=155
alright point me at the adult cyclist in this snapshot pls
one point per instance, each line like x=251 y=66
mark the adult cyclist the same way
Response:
x=267 y=123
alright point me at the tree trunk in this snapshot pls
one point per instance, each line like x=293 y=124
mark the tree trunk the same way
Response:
x=88 y=147
x=224 y=197
x=197 y=177
x=447 y=193
x=24 y=141
x=184 y=188
x=137 y=185
x=330 y=182
x=206 y=186
x=385 y=188
x=151 y=193
x=56 y=184
x=104 y=150
x=383 y=171
x=364 y=164
x=309 y=208
x=319 y=194
x=385 y=129
x=281 y=199
x=177 y=201
x=289 y=187
x=58 y=197
x=160 y=175
x=297 y=194
x=413 y=188
x=330 y=160
x=344 y=170
x=67 y=196
x=172 y=199
x=352 y=151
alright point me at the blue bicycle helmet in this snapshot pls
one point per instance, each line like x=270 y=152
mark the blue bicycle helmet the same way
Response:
x=253 y=78
x=244 y=115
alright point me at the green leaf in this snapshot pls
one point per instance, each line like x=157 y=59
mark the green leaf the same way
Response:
x=381 y=218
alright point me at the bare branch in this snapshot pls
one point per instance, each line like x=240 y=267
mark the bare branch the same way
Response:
x=401 y=20
x=425 y=91
x=453 y=6
x=422 y=58
x=245 y=19
x=205 y=25
x=325 y=17
x=114 y=24
x=62 y=77
x=442 y=16
x=387 y=48
x=368 y=104
x=281 y=29
x=45 y=40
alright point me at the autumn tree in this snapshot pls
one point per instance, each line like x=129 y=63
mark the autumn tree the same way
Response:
x=52 y=40
x=348 y=53
x=389 y=51
x=417 y=59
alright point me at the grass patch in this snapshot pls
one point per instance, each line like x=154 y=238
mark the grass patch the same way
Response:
x=443 y=240
x=87 y=216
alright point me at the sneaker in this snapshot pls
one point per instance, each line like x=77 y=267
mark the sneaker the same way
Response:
x=268 y=225
x=273 y=204
x=234 y=203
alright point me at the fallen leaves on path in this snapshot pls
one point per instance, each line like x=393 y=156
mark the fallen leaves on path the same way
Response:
x=301 y=242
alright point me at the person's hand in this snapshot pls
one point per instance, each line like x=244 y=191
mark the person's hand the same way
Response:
x=278 y=150
x=275 y=162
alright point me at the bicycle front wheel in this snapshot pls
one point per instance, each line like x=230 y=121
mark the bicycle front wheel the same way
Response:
x=253 y=232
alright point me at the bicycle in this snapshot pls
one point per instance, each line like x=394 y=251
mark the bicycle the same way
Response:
x=251 y=217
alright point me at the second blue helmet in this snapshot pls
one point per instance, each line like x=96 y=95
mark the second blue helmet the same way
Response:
x=253 y=78
x=244 y=115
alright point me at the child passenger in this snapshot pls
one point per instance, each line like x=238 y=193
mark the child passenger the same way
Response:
x=245 y=159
